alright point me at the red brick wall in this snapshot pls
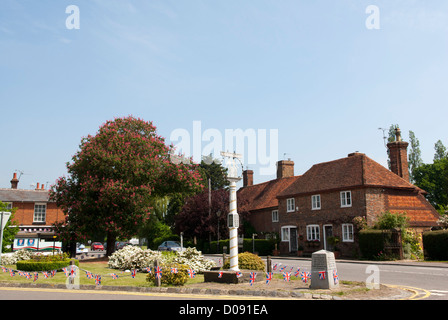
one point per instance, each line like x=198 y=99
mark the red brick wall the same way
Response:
x=25 y=213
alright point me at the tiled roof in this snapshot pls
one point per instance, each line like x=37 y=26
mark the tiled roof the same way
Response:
x=19 y=195
x=264 y=195
x=352 y=171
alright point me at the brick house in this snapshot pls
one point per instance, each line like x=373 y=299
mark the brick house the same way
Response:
x=35 y=213
x=324 y=200
x=260 y=200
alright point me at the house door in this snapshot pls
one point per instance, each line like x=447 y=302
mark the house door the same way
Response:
x=293 y=240
x=328 y=232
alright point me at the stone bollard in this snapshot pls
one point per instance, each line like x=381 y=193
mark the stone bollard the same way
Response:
x=268 y=264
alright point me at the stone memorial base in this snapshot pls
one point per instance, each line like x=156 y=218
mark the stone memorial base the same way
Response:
x=323 y=268
x=229 y=276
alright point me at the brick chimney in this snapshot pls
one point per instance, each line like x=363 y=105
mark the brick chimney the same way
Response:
x=398 y=155
x=248 y=178
x=285 y=169
x=14 y=181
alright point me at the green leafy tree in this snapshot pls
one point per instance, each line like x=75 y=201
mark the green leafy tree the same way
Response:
x=440 y=151
x=213 y=170
x=388 y=220
x=114 y=179
x=414 y=155
x=433 y=178
x=11 y=228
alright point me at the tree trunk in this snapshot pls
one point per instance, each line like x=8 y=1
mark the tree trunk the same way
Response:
x=110 y=244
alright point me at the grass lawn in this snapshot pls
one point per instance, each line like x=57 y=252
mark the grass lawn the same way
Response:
x=124 y=278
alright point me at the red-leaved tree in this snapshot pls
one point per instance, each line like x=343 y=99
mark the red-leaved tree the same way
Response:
x=114 y=177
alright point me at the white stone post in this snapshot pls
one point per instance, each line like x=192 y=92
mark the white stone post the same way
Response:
x=233 y=218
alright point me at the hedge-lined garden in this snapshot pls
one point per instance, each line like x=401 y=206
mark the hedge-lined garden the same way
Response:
x=435 y=244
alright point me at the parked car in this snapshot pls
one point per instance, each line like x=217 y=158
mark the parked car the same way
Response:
x=80 y=248
x=120 y=244
x=170 y=246
x=96 y=246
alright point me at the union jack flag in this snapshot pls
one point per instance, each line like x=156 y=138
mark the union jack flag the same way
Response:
x=148 y=269
x=253 y=275
x=282 y=269
x=52 y=273
x=305 y=276
x=98 y=280
x=286 y=276
x=89 y=275
x=36 y=276
x=322 y=275
x=268 y=277
x=220 y=274
x=11 y=273
x=46 y=274
x=4 y=269
x=66 y=271
x=133 y=272
x=158 y=271
x=297 y=273
x=275 y=267
x=191 y=273
x=72 y=271
x=173 y=270
x=114 y=276
x=335 y=277
x=239 y=274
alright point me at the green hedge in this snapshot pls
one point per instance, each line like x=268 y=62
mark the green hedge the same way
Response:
x=30 y=265
x=371 y=243
x=262 y=246
x=435 y=245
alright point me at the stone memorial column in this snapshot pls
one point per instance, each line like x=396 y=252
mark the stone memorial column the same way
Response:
x=323 y=270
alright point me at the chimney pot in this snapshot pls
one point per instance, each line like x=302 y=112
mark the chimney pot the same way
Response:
x=14 y=181
x=285 y=169
x=248 y=178
x=38 y=186
x=398 y=156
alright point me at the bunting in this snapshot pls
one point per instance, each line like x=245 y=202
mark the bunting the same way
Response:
x=252 y=277
x=268 y=277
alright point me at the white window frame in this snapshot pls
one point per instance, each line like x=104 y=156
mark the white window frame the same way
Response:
x=274 y=215
x=285 y=233
x=290 y=204
x=315 y=202
x=313 y=232
x=347 y=232
x=8 y=205
x=344 y=202
x=40 y=216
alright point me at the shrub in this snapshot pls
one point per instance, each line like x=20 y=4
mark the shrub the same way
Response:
x=264 y=247
x=371 y=243
x=435 y=244
x=194 y=259
x=135 y=258
x=131 y=257
x=33 y=265
x=169 y=278
x=248 y=261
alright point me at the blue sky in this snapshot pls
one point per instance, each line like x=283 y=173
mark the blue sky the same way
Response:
x=310 y=69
